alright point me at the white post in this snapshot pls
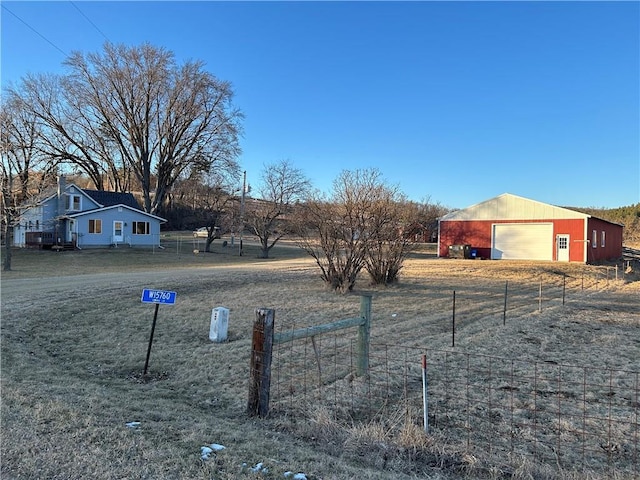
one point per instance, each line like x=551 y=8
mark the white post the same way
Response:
x=219 y=324
x=425 y=401
x=540 y=296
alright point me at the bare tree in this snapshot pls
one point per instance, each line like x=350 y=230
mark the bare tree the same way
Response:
x=8 y=206
x=67 y=135
x=425 y=215
x=336 y=231
x=19 y=139
x=323 y=234
x=397 y=226
x=133 y=110
x=212 y=201
x=388 y=246
x=269 y=216
x=360 y=226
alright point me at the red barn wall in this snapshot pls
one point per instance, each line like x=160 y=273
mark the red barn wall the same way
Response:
x=612 y=248
x=477 y=233
x=575 y=229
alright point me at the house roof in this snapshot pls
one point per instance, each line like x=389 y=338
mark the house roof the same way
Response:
x=105 y=200
x=101 y=197
x=110 y=207
x=108 y=199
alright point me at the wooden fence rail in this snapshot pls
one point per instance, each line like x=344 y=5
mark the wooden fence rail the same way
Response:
x=264 y=339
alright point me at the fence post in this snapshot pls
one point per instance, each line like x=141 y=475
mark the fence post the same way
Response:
x=540 y=296
x=364 y=332
x=504 y=311
x=453 y=321
x=260 y=369
x=425 y=393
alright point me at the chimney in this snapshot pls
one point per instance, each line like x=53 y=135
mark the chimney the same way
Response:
x=62 y=207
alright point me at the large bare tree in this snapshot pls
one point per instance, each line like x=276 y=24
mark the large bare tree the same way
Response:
x=25 y=169
x=269 y=216
x=133 y=111
x=68 y=136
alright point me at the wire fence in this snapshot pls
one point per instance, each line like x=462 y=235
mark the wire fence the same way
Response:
x=562 y=415
x=570 y=417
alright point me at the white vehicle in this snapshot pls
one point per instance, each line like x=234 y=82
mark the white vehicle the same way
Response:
x=204 y=233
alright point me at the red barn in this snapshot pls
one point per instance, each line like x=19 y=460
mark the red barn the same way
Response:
x=516 y=228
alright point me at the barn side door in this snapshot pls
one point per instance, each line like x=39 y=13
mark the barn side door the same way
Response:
x=562 y=248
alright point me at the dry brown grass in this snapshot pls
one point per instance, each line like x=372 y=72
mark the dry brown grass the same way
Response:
x=74 y=338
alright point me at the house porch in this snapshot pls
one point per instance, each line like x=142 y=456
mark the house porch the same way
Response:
x=48 y=241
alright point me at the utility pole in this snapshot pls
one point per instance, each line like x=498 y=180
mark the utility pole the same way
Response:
x=244 y=190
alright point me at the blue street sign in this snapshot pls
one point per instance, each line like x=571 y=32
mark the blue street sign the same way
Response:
x=158 y=296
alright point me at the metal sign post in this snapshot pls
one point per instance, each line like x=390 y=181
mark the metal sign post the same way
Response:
x=425 y=393
x=158 y=297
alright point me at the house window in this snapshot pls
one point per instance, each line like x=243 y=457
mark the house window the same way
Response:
x=594 y=238
x=141 y=228
x=74 y=202
x=95 y=226
x=602 y=238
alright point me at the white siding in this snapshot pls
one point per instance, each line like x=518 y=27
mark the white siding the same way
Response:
x=522 y=241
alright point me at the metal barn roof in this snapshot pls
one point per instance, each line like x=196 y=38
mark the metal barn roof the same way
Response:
x=513 y=207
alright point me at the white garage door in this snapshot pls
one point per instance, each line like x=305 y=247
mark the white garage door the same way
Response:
x=522 y=241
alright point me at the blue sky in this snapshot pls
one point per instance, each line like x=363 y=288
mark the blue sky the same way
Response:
x=455 y=102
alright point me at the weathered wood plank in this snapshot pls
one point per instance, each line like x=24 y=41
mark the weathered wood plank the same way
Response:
x=283 y=337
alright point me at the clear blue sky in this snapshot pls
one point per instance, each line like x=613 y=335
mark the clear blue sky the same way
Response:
x=455 y=102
